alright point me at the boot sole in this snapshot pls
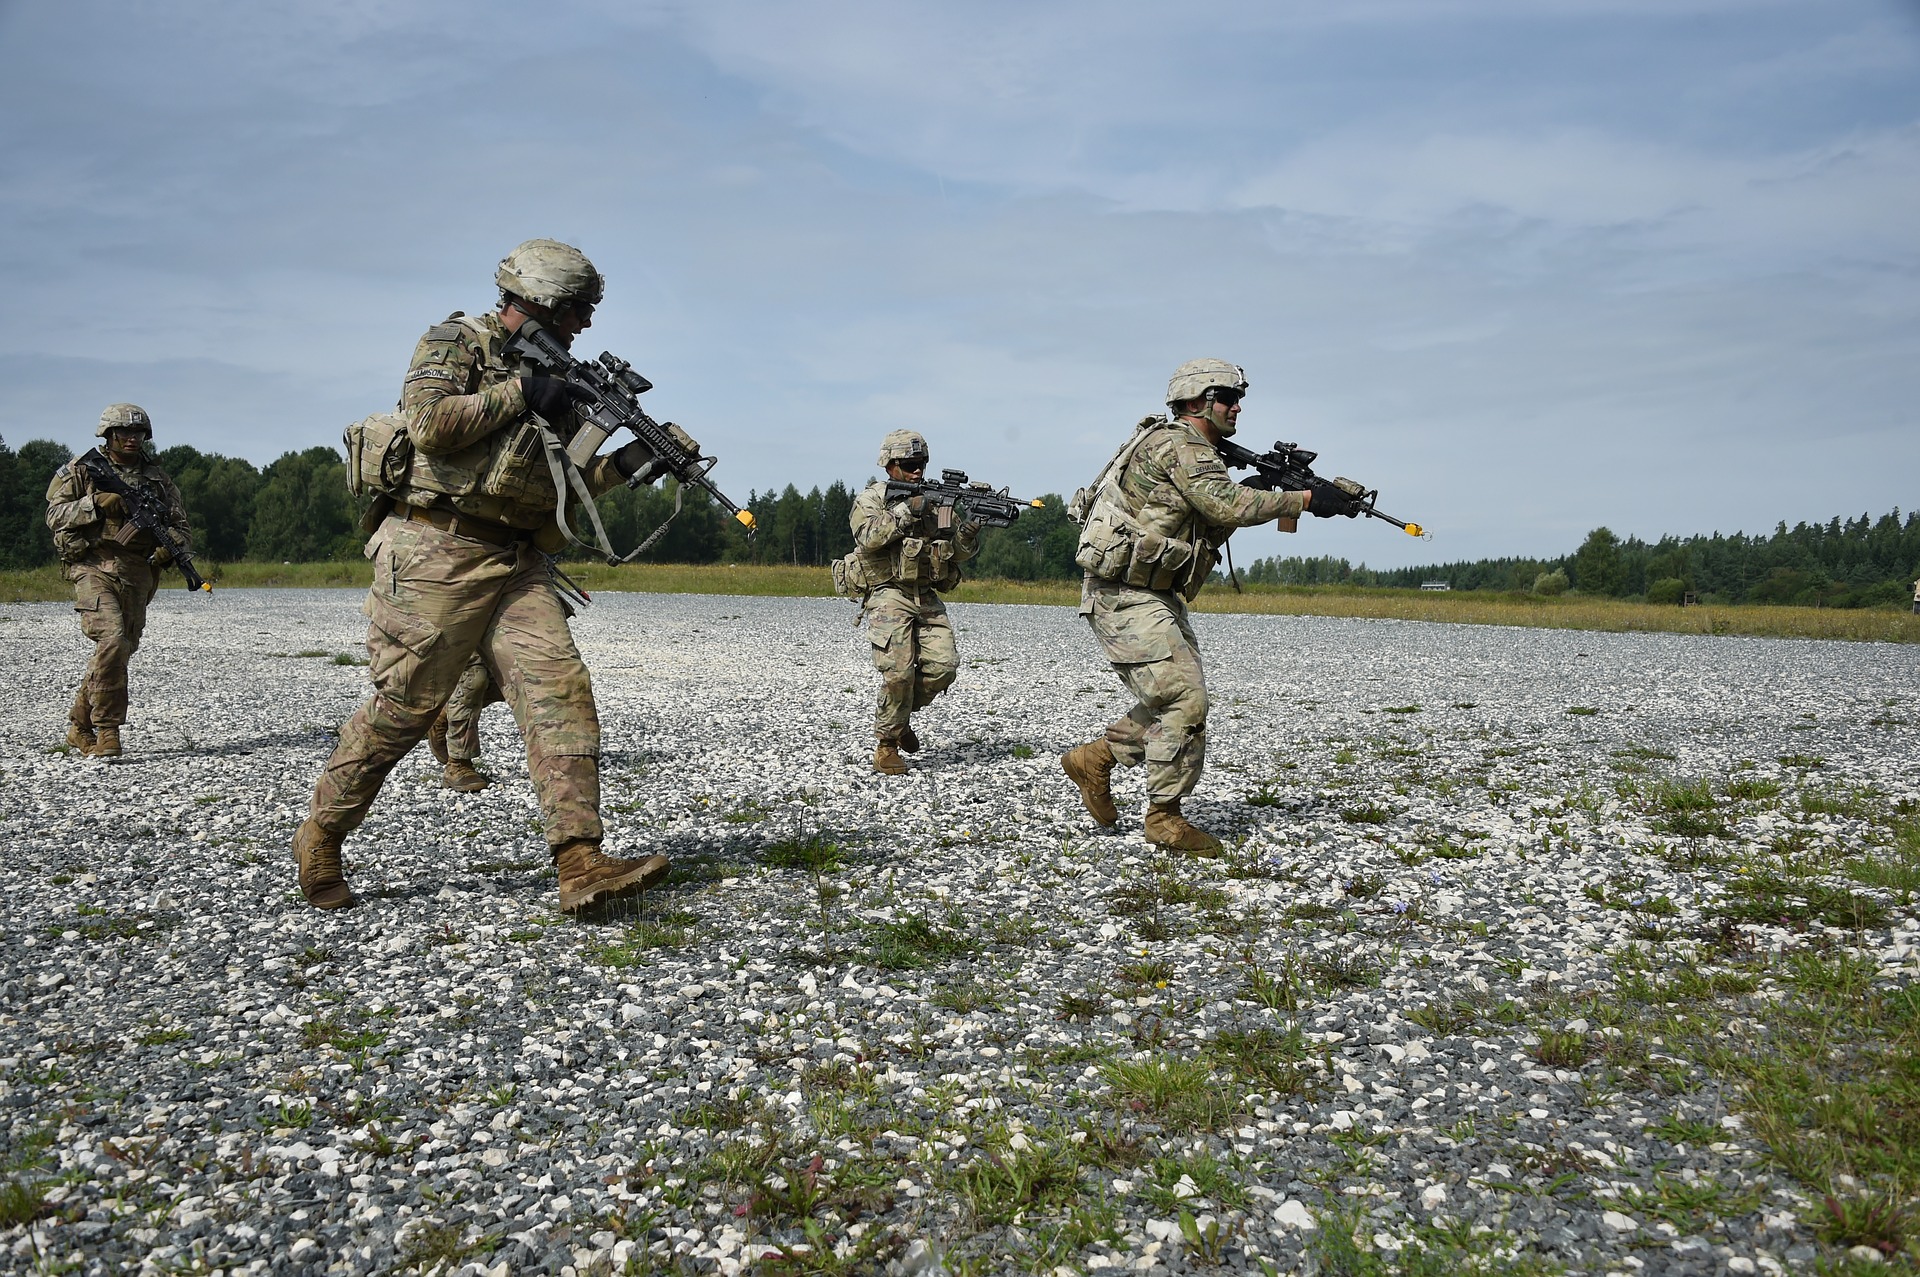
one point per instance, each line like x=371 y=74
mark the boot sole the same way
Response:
x=651 y=871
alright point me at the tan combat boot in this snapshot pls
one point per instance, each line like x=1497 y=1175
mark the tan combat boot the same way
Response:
x=909 y=743
x=1090 y=766
x=322 y=881
x=461 y=776
x=106 y=742
x=588 y=874
x=1166 y=827
x=437 y=739
x=81 y=737
x=887 y=760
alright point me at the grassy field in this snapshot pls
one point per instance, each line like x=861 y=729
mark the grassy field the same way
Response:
x=1567 y=612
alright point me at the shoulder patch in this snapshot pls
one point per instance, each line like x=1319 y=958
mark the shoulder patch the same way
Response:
x=444 y=333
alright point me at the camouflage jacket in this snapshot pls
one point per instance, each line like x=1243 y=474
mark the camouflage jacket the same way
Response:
x=1158 y=520
x=82 y=534
x=477 y=446
x=897 y=547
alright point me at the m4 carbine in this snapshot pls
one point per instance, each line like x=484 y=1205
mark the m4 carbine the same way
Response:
x=1289 y=468
x=984 y=505
x=611 y=402
x=145 y=513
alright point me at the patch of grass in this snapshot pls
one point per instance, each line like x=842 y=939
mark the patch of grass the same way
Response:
x=917 y=941
x=1583 y=711
x=815 y=852
x=1753 y=789
x=672 y=930
x=1270 y=1059
x=966 y=997
x=1356 y=969
x=1366 y=814
x=348 y=658
x=1023 y=751
x=1175 y=1090
x=1007 y=1184
x=1276 y=991
x=1400 y=709
x=1559 y=1049
x=1081 y=1006
x=1768 y=896
x=330 y=1032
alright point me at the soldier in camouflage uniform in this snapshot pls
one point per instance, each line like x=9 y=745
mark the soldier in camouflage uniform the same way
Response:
x=904 y=554
x=454 y=737
x=459 y=569
x=1153 y=524
x=114 y=567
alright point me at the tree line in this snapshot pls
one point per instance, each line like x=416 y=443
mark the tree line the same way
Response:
x=297 y=509
x=1863 y=562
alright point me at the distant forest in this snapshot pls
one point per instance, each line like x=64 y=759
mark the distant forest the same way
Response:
x=297 y=510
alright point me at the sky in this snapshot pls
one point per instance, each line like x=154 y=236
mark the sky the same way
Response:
x=1528 y=267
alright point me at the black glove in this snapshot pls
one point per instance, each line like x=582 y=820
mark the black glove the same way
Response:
x=1329 y=501
x=633 y=459
x=551 y=397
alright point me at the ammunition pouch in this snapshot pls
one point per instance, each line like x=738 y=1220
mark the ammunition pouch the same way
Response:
x=850 y=578
x=379 y=454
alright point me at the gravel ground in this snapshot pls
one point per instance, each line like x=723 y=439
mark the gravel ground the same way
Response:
x=873 y=1019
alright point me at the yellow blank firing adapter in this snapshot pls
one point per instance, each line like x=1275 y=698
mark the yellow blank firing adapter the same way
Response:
x=1415 y=530
x=1037 y=504
x=746 y=519
x=207 y=586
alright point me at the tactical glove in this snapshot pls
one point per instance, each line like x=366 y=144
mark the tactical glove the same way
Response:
x=1329 y=501
x=110 y=505
x=160 y=557
x=551 y=397
x=636 y=459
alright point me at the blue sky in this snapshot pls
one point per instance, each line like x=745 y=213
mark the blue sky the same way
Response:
x=1529 y=266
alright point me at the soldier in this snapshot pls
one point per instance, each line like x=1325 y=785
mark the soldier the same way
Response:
x=905 y=554
x=1153 y=524
x=459 y=570
x=454 y=737
x=114 y=567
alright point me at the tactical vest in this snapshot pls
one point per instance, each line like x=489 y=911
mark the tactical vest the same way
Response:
x=1154 y=541
x=503 y=477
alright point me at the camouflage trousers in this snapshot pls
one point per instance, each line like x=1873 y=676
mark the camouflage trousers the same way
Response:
x=913 y=650
x=1149 y=642
x=437 y=601
x=474 y=692
x=113 y=613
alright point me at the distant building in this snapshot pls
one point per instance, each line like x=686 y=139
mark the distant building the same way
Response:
x=1448 y=585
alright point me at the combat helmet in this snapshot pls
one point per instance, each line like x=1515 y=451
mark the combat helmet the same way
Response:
x=901 y=444
x=124 y=416
x=549 y=273
x=1197 y=376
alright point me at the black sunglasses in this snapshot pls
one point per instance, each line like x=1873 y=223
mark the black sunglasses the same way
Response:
x=1221 y=395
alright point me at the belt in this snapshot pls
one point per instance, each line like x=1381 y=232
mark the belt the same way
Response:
x=465 y=525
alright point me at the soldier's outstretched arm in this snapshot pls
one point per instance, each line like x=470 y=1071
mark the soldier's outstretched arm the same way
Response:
x=442 y=417
x=1203 y=479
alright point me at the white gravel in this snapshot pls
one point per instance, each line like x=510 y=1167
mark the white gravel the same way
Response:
x=201 y=1073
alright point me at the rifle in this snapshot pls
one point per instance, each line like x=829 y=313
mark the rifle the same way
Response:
x=982 y=504
x=612 y=403
x=1289 y=468
x=144 y=514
